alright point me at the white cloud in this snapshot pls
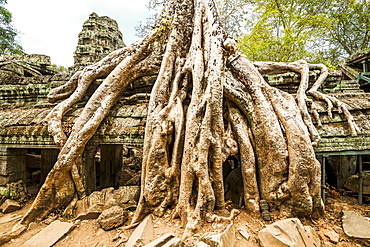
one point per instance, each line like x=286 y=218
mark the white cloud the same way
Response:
x=51 y=27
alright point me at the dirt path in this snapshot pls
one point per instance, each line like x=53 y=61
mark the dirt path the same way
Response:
x=88 y=232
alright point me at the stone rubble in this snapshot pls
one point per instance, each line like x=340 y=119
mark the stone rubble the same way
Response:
x=244 y=233
x=202 y=244
x=224 y=239
x=88 y=216
x=313 y=235
x=288 y=233
x=49 y=235
x=167 y=240
x=354 y=225
x=10 y=206
x=143 y=234
x=91 y=206
x=352 y=183
x=112 y=218
x=10 y=217
x=332 y=235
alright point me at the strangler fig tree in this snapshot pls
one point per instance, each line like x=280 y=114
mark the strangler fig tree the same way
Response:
x=209 y=102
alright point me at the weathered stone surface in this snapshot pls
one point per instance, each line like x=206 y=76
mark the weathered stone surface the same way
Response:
x=36 y=176
x=224 y=239
x=175 y=242
x=143 y=234
x=312 y=234
x=50 y=219
x=18 y=191
x=130 y=173
x=3 y=181
x=112 y=218
x=160 y=241
x=10 y=206
x=352 y=183
x=33 y=161
x=98 y=201
x=244 y=233
x=29 y=58
x=10 y=217
x=333 y=236
x=49 y=235
x=88 y=216
x=168 y=240
x=288 y=232
x=354 y=225
x=26 y=64
x=202 y=244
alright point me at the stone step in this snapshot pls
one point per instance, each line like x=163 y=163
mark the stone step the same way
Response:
x=49 y=235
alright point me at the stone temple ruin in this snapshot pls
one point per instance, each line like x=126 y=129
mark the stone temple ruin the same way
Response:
x=112 y=158
x=99 y=37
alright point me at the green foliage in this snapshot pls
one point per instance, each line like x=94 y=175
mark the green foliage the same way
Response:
x=320 y=31
x=166 y=25
x=351 y=32
x=283 y=30
x=60 y=69
x=8 y=43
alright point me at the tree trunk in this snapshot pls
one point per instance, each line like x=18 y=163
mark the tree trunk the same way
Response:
x=209 y=102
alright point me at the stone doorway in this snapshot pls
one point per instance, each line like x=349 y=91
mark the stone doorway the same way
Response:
x=30 y=165
x=101 y=167
x=39 y=162
x=108 y=166
x=233 y=182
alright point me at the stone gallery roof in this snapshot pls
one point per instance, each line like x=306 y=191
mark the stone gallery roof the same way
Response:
x=24 y=106
x=25 y=81
x=24 y=126
x=335 y=132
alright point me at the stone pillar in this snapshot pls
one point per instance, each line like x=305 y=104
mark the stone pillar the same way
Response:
x=3 y=165
x=88 y=169
x=48 y=159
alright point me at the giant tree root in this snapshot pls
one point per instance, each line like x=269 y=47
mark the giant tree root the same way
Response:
x=209 y=102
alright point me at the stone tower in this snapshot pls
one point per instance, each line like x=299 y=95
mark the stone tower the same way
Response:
x=99 y=37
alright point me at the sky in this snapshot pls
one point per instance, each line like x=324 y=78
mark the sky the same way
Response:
x=51 y=27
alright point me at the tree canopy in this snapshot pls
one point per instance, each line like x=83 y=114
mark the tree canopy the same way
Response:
x=8 y=42
x=351 y=31
x=284 y=29
x=326 y=31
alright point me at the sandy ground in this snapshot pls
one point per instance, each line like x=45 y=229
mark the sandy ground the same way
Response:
x=88 y=232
